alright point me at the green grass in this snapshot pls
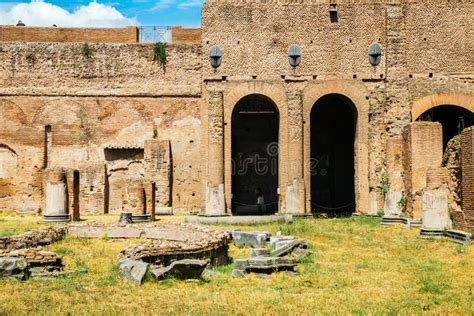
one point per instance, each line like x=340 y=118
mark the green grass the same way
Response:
x=357 y=267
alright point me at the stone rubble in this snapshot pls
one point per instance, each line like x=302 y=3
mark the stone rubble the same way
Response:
x=34 y=238
x=250 y=239
x=285 y=253
x=181 y=269
x=132 y=270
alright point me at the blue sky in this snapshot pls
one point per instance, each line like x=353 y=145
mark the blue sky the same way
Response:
x=140 y=12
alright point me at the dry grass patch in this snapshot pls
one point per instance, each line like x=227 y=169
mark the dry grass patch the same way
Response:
x=357 y=267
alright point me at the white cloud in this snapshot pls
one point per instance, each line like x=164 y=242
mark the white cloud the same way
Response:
x=40 y=13
x=162 y=5
x=190 y=4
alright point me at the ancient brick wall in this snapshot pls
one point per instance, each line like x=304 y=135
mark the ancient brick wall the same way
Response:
x=422 y=149
x=467 y=166
x=68 y=35
x=112 y=69
x=180 y=35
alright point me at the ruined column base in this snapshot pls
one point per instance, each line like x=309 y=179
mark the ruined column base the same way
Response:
x=145 y=218
x=215 y=201
x=295 y=201
x=52 y=219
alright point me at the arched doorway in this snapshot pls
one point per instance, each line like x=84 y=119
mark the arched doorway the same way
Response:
x=453 y=119
x=332 y=140
x=255 y=124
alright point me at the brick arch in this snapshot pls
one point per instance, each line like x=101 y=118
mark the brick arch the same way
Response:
x=357 y=93
x=275 y=93
x=426 y=103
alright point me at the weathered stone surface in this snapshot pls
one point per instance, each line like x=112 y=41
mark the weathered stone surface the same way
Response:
x=263 y=265
x=278 y=241
x=181 y=269
x=33 y=238
x=16 y=268
x=391 y=206
x=182 y=241
x=132 y=270
x=435 y=210
x=250 y=239
x=41 y=262
x=209 y=274
x=260 y=252
x=287 y=248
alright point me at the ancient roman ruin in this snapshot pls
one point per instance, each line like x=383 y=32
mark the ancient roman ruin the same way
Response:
x=309 y=107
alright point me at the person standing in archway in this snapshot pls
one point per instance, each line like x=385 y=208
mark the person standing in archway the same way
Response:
x=260 y=200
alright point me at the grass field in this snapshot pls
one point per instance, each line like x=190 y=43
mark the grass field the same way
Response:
x=357 y=267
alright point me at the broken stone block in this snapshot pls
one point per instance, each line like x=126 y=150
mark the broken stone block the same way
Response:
x=209 y=274
x=16 y=268
x=265 y=265
x=279 y=241
x=435 y=210
x=132 y=270
x=239 y=273
x=250 y=239
x=260 y=252
x=181 y=269
x=284 y=249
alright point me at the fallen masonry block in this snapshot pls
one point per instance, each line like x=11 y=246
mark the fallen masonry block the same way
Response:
x=250 y=239
x=279 y=241
x=181 y=269
x=260 y=252
x=288 y=247
x=265 y=265
x=13 y=268
x=41 y=262
x=132 y=270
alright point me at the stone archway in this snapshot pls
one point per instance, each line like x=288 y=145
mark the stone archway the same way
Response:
x=255 y=124
x=236 y=91
x=454 y=111
x=357 y=94
x=424 y=104
x=333 y=123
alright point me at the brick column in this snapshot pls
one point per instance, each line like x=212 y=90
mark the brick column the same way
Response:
x=467 y=167
x=422 y=149
x=215 y=199
x=295 y=188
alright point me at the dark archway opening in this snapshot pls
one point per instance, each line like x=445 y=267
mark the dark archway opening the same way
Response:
x=333 y=127
x=255 y=125
x=453 y=119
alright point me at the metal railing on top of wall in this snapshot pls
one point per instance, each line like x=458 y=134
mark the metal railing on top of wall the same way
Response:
x=154 y=34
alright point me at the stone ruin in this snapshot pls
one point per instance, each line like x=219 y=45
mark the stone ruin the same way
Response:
x=22 y=256
x=284 y=254
x=182 y=250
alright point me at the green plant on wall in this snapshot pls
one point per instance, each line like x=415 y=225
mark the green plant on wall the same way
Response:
x=159 y=53
x=86 y=51
x=384 y=183
x=402 y=203
x=87 y=131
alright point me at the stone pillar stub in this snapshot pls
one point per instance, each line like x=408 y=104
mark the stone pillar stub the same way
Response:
x=422 y=149
x=56 y=196
x=392 y=205
x=295 y=188
x=215 y=199
x=158 y=170
x=435 y=210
